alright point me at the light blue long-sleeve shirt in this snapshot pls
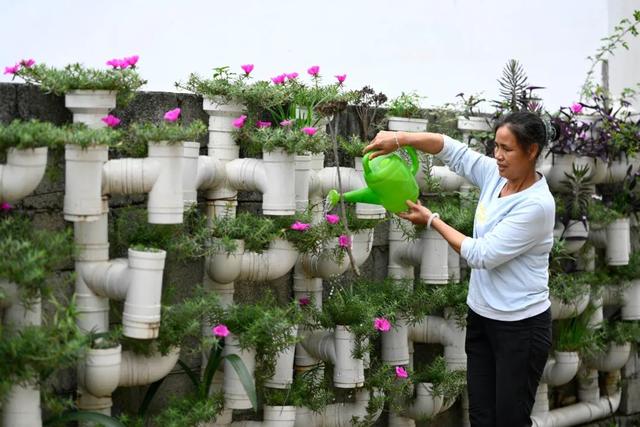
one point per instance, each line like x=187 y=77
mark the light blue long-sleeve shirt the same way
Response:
x=512 y=238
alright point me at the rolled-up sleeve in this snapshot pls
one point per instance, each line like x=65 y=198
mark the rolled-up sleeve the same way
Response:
x=467 y=163
x=519 y=231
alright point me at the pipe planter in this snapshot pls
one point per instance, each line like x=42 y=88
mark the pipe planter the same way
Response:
x=136 y=369
x=449 y=180
x=561 y=310
x=403 y=254
x=271 y=264
x=615 y=357
x=89 y=106
x=83 y=182
x=278 y=416
x=336 y=414
x=473 y=124
x=618 y=242
x=165 y=203
x=273 y=176
x=222 y=146
x=235 y=396
x=561 y=368
x=404 y=124
x=22 y=173
x=434 y=265
x=631 y=301
x=337 y=347
x=283 y=375
x=559 y=164
x=436 y=330
x=323 y=265
x=100 y=373
x=575 y=235
x=395 y=344
x=425 y=405
x=199 y=173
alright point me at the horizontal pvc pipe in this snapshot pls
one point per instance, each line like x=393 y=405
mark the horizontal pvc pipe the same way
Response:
x=22 y=173
x=579 y=413
x=403 y=254
x=129 y=176
x=615 y=357
x=436 y=330
x=449 y=180
x=138 y=369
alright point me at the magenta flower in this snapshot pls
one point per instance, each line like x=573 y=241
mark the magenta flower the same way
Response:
x=292 y=76
x=332 y=219
x=247 y=68
x=111 y=121
x=314 y=71
x=220 y=330
x=382 y=324
x=118 y=63
x=304 y=301
x=131 y=61
x=300 y=226
x=239 y=122
x=12 y=70
x=344 y=241
x=172 y=115
x=309 y=130
x=5 y=207
x=27 y=63
x=576 y=108
x=263 y=125
x=285 y=123
x=341 y=78
x=279 y=80
x=401 y=372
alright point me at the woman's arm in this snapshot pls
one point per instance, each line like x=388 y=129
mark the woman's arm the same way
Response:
x=419 y=214
x=385 y=142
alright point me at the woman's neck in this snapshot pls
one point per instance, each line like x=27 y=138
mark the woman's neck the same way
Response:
x=521 y=183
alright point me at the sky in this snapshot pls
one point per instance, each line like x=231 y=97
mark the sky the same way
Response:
x=436 y=48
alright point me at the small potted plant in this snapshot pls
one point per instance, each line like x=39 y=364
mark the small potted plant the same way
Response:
x=437 y=388
x=614 y=340
x=404 y=114
x=573 y=208
x=569 y=294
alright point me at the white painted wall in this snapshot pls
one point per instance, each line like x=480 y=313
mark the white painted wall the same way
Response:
x=624 y=66
x=435 y=47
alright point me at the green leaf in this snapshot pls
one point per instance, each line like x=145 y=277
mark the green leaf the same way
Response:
x=99 y=419
x=215 y=357
x=192 y=376
x=245 y=378
x=148 y=397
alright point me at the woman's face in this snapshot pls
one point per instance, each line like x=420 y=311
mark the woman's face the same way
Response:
x=513 y=161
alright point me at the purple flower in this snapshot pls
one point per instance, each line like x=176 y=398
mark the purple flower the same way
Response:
x=344 y=241
x=332 y=219
x=27 y=63
x=220 y=330
x=314 y=70
x=279 y=80
x=292 y=76
x=172 y=115
x=239 y=122
x=341 y=78
x=285 y=123
x=131 y=61
x=401 y=372
x=382 y=324
x=309 y=130
x=5 y=207
x=263 y=125
x=300 y=226
x=111 y=121
x=12 y=70
x=304 y=301
x=247 y=68
x=576 y=108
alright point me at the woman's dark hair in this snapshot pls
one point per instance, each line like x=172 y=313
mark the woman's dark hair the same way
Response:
x=529 y=128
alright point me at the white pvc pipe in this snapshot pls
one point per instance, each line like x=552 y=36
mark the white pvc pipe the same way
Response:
x=561 y=368
x=83 y=182
x=618 y=242
x=199 y=172
x=235 y=396
x=425 y=405
x=336 y=414
x=22 y=173
x=283 y=374
x=449 y=180
x=302 y=180
x=395 y=344
x=323 y=265
x=89 y=106
x=436 y=330
x=613 y=359
x=100 y=372
x=165 y=202
x=631 y=301
x=138 y=370
x=403 y=254
x=129 y=176
x=434 y=265
x=273 y=263
x=561 y=310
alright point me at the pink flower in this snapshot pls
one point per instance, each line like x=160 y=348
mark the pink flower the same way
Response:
x=172 y=115
x=239 y=122
x=263 y=125
x=309 y=131
x=131 y=61
x=5 y=207
x=332 y=219
x=314 y=71
x=583 y=135
x=118 y=63
x=292 y=76
x=341 y=78
x=247 y=68
x=27 y=63
x=286 y=123
x=220 y=330
x=304 y=301
x=576 y=108
x=111 y=121
x=300 y=226
x=382 y=324
x=279 y=80
x=344 y=241
x=401 y=372
x=12 y=70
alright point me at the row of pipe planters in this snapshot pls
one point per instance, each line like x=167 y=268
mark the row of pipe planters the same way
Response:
x=172 y=176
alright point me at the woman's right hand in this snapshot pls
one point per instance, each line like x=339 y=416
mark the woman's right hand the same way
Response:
x=383 y=143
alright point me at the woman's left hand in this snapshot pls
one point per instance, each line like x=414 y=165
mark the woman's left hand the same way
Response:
x=417 y=213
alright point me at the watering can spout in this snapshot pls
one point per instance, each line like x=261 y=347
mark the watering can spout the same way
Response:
x=362 y=195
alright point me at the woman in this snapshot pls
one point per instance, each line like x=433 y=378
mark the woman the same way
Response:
x=509 y=318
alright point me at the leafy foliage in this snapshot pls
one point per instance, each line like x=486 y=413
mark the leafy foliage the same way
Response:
x=142 y=133
x=406 y=105
x=446 y=383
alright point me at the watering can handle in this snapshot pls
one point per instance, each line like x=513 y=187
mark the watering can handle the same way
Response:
x=415 y=162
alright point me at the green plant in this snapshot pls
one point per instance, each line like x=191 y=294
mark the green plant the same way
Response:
x=569 y=287
x=77 y=77
x=577 y=196
x=620 y=332
x=367 y=103
x=406 y=105
x=287 y=138
x=256 y=231
x=599 y=213
x=30 y=134
x=190 y=411
x=80 y=134
x=469 y=103
x=386 y=388
x=446 y=383
x=173 y=133
x=353 y=145
x=310 y=389
x=223 y=85
x=452 y=296
x=516 y=94
x=575 y=334
x=628 y=272
x=87 y=416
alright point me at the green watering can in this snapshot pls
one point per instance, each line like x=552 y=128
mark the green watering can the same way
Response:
x=390 y=183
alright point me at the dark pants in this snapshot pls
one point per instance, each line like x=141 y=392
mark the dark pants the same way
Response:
x=505 y=361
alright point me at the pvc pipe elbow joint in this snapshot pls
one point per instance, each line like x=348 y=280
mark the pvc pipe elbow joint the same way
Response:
x=22 y=173
x=561 y=368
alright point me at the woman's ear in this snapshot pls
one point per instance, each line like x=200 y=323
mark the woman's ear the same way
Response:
x=533 y=151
